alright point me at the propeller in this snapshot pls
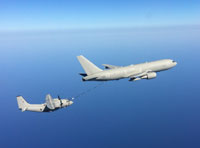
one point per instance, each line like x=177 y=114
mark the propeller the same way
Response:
x=60 y=101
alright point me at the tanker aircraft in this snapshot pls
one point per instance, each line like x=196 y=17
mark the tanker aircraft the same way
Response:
x=147 y=70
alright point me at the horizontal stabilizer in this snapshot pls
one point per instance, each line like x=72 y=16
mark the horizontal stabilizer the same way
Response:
x=83 y=74
x=107 y=66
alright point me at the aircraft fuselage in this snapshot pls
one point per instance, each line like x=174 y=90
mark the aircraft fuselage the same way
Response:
x=131 y=70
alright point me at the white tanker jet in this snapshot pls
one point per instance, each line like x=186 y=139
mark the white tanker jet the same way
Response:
x=135 y=72
x=49 y=106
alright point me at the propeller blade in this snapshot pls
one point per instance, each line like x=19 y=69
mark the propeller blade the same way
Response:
x=60 y=101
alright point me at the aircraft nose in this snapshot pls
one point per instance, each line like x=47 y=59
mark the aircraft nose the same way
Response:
x=174 y=63
x=71 y=102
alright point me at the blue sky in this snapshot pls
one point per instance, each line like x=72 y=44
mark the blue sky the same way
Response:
x=163 y=112
x=77 y=14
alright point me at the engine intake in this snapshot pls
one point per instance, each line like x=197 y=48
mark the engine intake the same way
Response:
x=149 y=75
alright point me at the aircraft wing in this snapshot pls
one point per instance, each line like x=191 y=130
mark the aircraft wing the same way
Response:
x=49 y=102
x=107 y=66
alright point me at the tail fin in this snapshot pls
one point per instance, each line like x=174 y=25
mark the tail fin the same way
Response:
x=88 y=66
x=49 y=102
x=22 y=104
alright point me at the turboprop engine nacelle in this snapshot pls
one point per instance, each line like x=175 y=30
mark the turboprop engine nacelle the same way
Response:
x=149 y=75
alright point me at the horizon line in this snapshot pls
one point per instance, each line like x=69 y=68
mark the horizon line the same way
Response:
x=194 y=26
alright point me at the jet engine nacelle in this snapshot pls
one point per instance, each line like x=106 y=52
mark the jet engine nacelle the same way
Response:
x=149 y=75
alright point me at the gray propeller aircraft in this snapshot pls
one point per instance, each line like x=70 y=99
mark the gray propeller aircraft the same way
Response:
x=49 y=106
x=135 y=72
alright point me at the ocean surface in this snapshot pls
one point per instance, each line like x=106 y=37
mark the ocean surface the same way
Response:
x=163 y=112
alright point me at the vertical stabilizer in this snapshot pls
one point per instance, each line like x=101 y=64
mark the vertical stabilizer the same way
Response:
x=50 y=102
x=22 y=104
x=88 y=66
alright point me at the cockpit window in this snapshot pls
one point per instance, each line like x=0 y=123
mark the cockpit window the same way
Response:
x=173 y=61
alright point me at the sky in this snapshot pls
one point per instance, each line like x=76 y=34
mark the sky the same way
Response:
x=77 y=14
x=39 y=42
